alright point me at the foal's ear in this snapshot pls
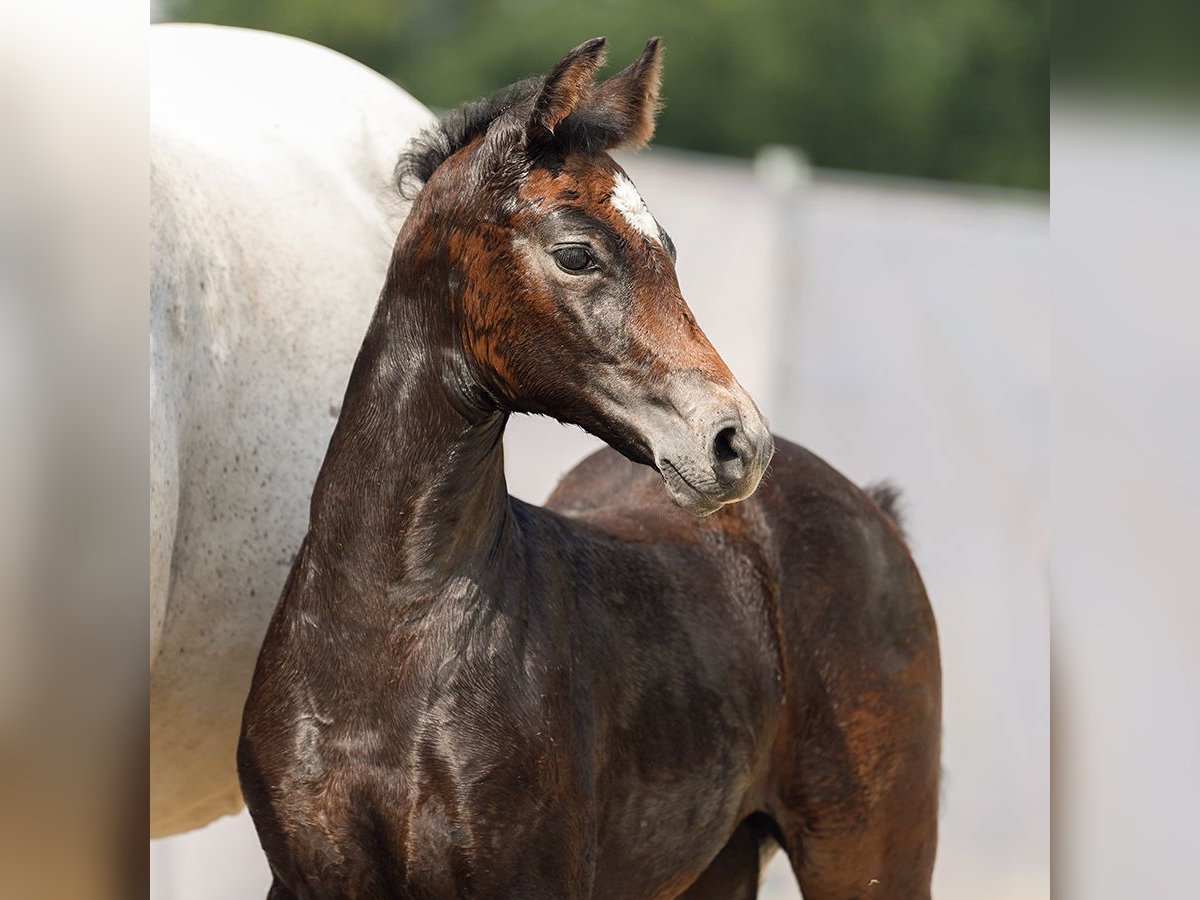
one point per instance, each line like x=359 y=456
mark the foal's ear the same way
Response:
x=568 y=83
x=628 y=103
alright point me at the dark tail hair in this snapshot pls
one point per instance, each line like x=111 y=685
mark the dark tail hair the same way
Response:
x=887 y=495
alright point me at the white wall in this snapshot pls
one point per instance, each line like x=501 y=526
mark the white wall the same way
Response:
x=898 y=330
x=921 y=346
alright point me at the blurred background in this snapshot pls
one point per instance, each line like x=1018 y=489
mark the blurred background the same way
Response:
x=897 y=326
x=953 y=90
x=857 y=191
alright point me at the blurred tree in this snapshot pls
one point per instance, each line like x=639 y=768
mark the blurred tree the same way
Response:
x=949 y=89
x=1142 y=51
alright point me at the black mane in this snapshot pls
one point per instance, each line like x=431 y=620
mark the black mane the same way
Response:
x=437 y=143
x=587 y=128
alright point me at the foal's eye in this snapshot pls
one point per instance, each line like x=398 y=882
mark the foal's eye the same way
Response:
x=574 y=259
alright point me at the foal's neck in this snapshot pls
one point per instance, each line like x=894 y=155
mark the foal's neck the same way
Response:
x=412 y=490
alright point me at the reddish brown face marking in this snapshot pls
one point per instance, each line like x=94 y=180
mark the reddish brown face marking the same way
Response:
x=659 y=317
x=612 y=347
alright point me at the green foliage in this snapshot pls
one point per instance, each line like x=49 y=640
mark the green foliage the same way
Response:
x=1143 y=50
x=949 y=89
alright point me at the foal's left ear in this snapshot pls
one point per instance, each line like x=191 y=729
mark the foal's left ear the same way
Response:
x=566 y=85
x=628 y=102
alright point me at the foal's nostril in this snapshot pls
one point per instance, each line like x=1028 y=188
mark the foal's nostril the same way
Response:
x=730 y=455
x=723 y=449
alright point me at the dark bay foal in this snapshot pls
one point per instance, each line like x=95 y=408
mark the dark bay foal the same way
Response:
x=616 y=696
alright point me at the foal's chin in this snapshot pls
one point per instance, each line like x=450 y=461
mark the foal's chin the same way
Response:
x=698 y=502
x=692 y=501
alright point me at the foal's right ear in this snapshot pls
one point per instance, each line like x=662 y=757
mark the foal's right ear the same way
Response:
x=568 y=82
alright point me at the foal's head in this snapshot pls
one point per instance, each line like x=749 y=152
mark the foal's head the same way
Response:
x=561 y=284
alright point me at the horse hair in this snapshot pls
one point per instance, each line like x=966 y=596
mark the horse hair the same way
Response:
x=887 y=495
x=588 y=128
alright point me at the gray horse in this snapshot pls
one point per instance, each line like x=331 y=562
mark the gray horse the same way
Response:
x=272 y=222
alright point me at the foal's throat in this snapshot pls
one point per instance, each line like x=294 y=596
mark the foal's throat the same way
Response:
x=412 y=490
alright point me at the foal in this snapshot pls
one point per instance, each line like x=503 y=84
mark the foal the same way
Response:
x=613 y=697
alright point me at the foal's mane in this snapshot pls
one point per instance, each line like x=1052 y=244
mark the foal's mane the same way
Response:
x=457 y=128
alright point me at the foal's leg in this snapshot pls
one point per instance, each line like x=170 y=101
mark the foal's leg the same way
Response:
x=879 y=847
x=858 y=799
x=734 y=873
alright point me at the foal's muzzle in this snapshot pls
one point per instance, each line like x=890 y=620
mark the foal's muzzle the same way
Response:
x=718 y=449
